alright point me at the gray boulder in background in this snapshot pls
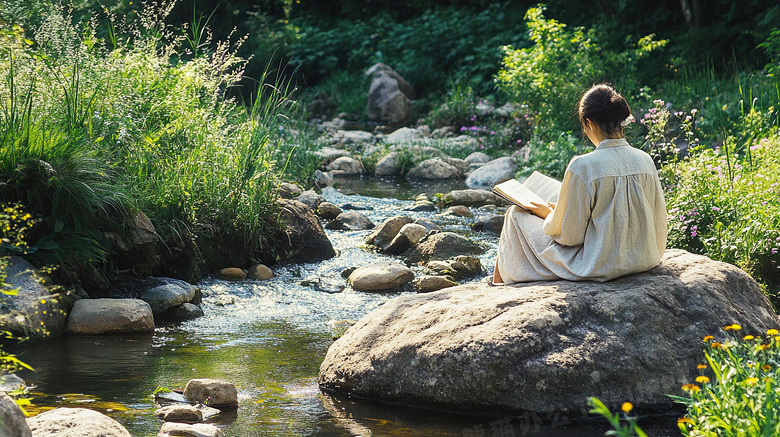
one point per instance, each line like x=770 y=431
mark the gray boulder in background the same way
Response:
x=388 y=96
x=492 y=173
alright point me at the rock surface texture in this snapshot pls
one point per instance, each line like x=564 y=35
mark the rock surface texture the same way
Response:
x=110 y=316
x=12 y=421
x=221 y=393
x=388 y=96
x=75 y=422
x=32 y=311
x=380 y=276
x=304 y=238
x=547 y=346
x=170 y=429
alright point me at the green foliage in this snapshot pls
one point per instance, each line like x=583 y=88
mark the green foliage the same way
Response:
x=724 y=203
x=92 y=129
x=630 y=429
x=456 y=108
x=772 y=48
x=560 y=65
x=550 y=157
x=737 y=393
x=427 y=50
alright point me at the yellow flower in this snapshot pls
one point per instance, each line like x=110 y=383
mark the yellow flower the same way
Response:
x=683 y=420
x=707 y=338
x=43 y=301
x=702 y=379
x=701 y=366
x=748 y=337
x=733 y=327
x=764 y=347
x=751 y=381
x=693 y=388
x=627 y=406
x=772 y=332
x=715 y=345
x=766 y=368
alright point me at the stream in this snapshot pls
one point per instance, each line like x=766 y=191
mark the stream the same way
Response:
x=269 y=338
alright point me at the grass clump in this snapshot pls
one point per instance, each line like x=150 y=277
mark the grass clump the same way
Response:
x=94 y=130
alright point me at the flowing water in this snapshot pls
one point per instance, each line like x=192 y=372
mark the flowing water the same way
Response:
x=268 y=338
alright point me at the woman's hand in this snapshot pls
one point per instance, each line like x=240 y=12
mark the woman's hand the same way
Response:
x=541 y=209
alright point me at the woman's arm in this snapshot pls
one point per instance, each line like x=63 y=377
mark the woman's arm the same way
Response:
x=567 y=223
x=541 y=209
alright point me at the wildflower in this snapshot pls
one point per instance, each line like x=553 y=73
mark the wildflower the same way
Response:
x=751 y=381
x=716 y=345
x=702 y=379
x=766 y=368
x=693 y=388
x=701 y=366
x=764 y=347
x=733 y=327
x=774 y=250
x=707 y=338
x=694 y=231
x=683 y=420
x=694 y=111
x=716 y=209
x=627 y=406
x=772 y=332
x=748 y=337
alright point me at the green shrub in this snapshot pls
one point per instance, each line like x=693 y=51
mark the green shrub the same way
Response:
x=551 y=74
x=723 y=203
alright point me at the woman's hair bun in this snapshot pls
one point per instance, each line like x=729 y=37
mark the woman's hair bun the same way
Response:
x=605 y=106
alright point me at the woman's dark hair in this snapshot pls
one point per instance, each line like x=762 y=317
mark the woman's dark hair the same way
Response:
x=606 y=107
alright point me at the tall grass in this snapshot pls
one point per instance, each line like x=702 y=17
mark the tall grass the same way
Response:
x=93 y=131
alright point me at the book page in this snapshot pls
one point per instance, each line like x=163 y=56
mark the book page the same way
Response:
x=544 y=186
x=517 y=193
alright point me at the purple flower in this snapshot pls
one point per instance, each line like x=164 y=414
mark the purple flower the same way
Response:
x=463 y=129
x=774 y=250
x=694 y=231
x=716 y=209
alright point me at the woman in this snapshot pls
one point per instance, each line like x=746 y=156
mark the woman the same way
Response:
x=610 y=219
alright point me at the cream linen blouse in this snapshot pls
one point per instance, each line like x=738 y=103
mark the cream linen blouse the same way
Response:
x=610 y=221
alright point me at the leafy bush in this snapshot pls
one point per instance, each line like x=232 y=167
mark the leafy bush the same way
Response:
x=737 y=393
x=551 y=74
x=723 y=203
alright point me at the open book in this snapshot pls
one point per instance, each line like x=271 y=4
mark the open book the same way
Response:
x=535 y=188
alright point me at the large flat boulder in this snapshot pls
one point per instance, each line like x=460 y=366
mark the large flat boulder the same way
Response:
x=547 y=346
x=110 y=316
x=75 y=422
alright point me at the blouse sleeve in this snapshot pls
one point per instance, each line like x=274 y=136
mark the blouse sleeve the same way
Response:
x=569 y=220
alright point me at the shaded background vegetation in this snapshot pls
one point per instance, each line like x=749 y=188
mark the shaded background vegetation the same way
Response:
x=154 y=108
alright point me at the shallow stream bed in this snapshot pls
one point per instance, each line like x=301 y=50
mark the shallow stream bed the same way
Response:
x=268 y=338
